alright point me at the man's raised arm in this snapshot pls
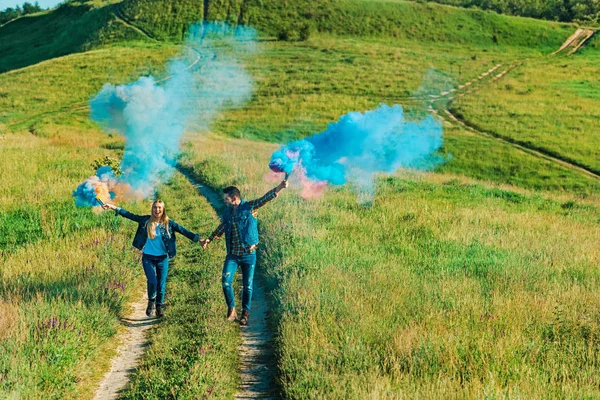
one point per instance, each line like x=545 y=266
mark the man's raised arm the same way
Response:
x=270 y=195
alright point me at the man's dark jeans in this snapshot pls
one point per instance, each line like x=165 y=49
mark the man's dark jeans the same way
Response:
x=247 y=262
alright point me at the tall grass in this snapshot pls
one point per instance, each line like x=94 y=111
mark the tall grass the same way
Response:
x=67 y=273
x=442 y=288
x=194 y=350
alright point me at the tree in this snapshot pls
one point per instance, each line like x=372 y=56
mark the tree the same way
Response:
x=29 y=8
x=8 y=14
x=12 y=13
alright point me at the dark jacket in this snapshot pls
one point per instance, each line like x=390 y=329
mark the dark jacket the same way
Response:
x=141 y=235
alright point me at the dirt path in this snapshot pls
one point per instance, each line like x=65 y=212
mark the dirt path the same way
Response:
x=256 y=355
x=129 y=352
x=575 y=41
x=257 y=365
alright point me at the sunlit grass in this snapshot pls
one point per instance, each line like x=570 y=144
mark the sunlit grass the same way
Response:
x=550 y=104
x=443 y=288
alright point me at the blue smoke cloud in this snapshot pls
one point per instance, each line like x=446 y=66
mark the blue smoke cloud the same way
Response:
x=153 y=115
x=361 y=145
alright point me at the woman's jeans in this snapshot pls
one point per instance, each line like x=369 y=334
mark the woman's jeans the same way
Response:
x=156 y=269
x=247 y=262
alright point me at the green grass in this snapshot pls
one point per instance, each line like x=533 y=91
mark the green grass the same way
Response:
x=398 y=20
x=70 y=28
x=443 y=288
x=488 y=290
x=61 y=290
x=303 y=86
x=194 y=350
x=67 y=274
x=486 y=159
x=547 y=104
x=57 y=91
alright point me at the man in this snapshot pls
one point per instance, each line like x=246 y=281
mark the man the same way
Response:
x=239 y=224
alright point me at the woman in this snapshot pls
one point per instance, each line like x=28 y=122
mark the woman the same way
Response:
x=155 y=236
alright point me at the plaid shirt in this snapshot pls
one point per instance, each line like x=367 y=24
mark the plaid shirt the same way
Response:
x=237 y=247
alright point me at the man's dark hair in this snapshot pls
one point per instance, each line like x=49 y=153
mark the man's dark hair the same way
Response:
x=232 y=191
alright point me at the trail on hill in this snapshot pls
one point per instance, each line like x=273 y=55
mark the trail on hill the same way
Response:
x=575 y=41
x=121 y=17
x=570 y=46
x=257 y=363
x=129 y=353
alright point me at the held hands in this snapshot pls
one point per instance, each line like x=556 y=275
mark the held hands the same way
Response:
x=204 y=243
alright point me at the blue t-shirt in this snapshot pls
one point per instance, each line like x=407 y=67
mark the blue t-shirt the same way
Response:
x=156 y=246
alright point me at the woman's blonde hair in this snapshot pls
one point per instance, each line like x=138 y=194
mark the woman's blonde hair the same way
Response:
x=154 y=222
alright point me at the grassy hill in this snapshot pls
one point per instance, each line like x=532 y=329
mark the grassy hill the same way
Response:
x=476 y=280
x=444 y=288
x=399 y=20
x=70 y=28
x=549 y=104
x=83 y=25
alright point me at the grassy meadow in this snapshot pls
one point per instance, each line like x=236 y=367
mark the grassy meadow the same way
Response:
x=550 y=104
x=67 y=273
x=61 y=289
x=476 y=280
x=444 y=288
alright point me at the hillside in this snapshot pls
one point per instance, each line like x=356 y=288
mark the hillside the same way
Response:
x=398 y=20
x=70 y=28
x=83 y=25
x=476 y=280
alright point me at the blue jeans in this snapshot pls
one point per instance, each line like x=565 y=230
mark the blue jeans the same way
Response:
x=156 y=269
x=247 y=262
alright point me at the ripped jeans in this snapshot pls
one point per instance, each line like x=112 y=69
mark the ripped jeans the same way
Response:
x=247 y=262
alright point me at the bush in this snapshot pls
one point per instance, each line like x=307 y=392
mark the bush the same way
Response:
x=305 y=32
x=284 y=34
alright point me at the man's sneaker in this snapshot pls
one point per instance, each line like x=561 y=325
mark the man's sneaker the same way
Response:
x=150 y=308
x=231 y=314
x=160 y=310
x=244 y=319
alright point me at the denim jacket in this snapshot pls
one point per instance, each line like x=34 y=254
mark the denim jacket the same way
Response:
x=141 y=235
x=247 y=223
